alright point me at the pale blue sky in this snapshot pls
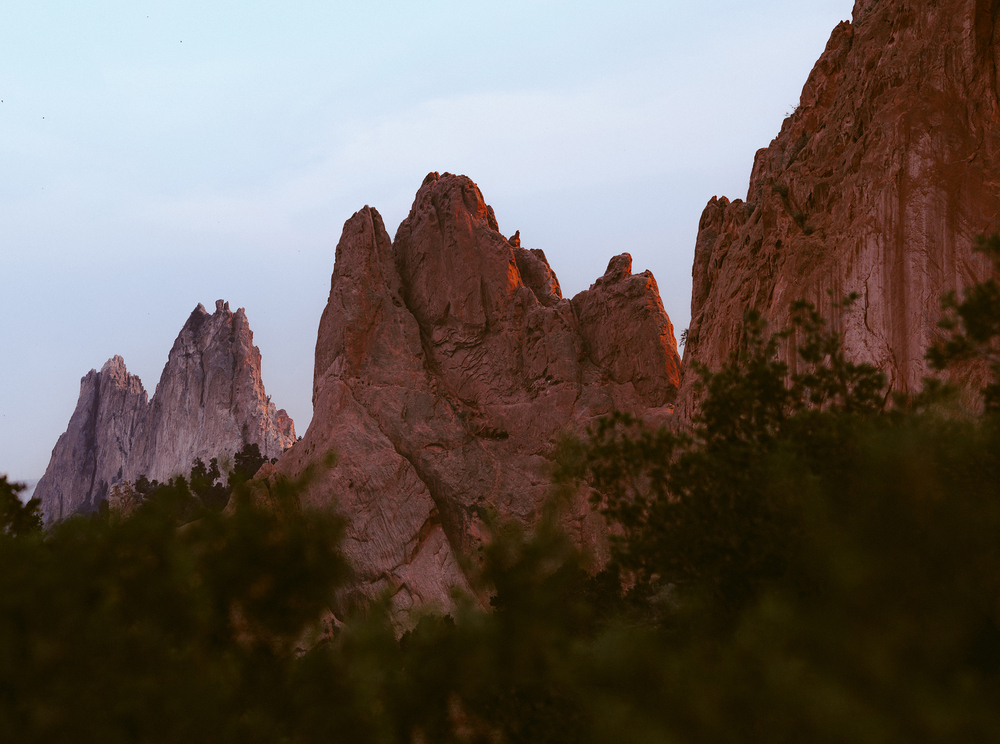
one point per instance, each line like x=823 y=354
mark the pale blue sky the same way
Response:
x=154 y=155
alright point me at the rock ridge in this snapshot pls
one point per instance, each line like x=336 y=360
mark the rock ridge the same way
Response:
x=447 y=364
x=209 y=402
x=877 y=183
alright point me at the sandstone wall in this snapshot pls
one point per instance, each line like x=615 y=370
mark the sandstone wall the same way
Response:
x=878 y=184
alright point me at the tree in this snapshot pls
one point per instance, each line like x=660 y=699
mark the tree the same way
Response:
x=204 y=483
x=202 y=488
x=18 y=519
x=140 y=629
x=246 y=463
x=974 y=325
x=123 y=500
x=824 y=570
x=697 y=510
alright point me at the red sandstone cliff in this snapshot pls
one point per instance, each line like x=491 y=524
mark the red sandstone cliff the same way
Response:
x=447 y=363
x=210 y=401
x=878 y=184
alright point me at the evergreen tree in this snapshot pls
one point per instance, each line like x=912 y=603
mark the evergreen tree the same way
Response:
x=18 y=519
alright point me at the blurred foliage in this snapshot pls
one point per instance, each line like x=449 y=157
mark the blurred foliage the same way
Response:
x=973 y=324
x=698 y=510
x=805 y=563
x=830 y=569
x=138 y=629
x=18 y=519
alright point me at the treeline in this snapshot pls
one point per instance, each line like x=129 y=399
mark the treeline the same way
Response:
x=203 y=488
x=814 y=560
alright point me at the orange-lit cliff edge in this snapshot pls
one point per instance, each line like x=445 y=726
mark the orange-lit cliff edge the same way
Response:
x=878 y=183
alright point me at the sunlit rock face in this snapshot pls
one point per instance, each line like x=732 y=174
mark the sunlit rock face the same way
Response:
x=447 y=364
x=210 y=401
x=878 y=184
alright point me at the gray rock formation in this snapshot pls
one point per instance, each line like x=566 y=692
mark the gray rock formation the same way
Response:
x=210 y=401
x=447 y=365
x=93 y=452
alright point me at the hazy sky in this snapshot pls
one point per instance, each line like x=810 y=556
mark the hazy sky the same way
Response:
x=154 y=155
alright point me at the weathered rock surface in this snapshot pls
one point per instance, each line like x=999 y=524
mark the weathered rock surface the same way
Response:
x=447 y=364
x=209 y=402
x=91 y=454
x=878 y=184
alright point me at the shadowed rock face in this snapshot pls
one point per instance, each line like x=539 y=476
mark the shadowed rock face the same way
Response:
x=92 y=453
x=878 y=184
x=210 y=401
x=447 y=364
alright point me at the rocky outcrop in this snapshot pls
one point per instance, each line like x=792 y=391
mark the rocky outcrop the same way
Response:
x=878 y=184
x=447 y=364
x=91 y=454
x=210 y=398
x=210 y=401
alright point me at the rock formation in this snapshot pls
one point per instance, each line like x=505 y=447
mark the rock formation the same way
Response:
x=447 y=364
x=91 y=454
x=209 y=402
x=878 y=184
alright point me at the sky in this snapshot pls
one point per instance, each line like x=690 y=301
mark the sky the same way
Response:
x=157 y=155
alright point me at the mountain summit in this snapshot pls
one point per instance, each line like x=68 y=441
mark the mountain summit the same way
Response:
x=210 y=401
x=447 y=364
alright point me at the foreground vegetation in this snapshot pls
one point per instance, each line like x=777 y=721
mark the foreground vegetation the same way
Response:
x=808 y=563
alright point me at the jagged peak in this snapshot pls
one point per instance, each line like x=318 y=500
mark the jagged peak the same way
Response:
x=619 y=267
x=447 y=192
x=115 y=371
x=209 y=402
x=114 y=363
x=447 y=364
x=196 y=322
